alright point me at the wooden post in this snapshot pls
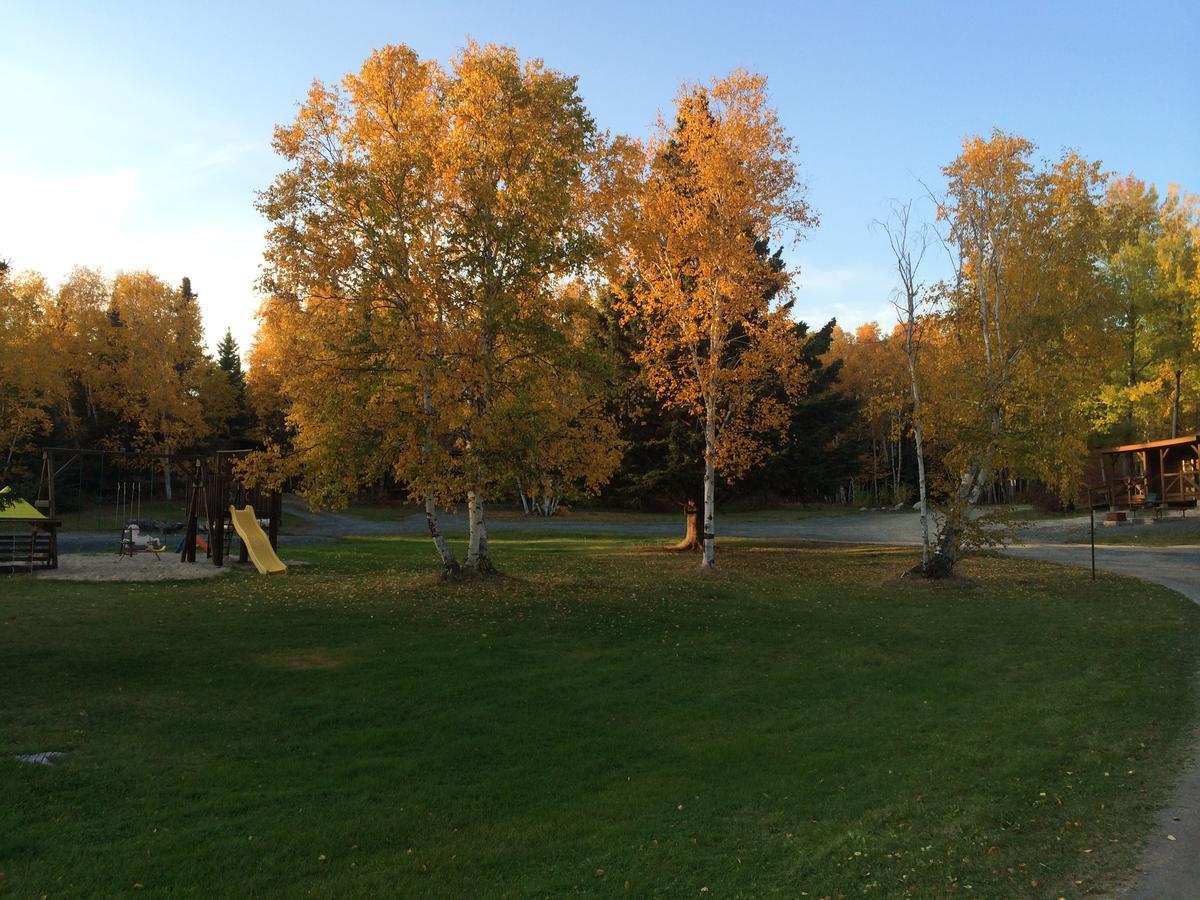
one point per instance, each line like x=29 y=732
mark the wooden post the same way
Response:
x=243 y=550
x=1162 y=477
x=276 y=515
x=244 y=499
x=216 y=531
x=1092 y=512
x=1141 y=455
x=193 y=516
x=49 y=458
x=1108 y=485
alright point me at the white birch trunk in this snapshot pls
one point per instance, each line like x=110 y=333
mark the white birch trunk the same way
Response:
x=450 y=564
x=478 y=562
x=710 y=492
x=485 y=560
x=166 y=464
x=973 y=482
x=920 y=447
x=472 y=532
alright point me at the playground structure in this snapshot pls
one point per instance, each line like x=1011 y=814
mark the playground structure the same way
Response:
x=208 y=523
x=28 y=539
x=213 y=490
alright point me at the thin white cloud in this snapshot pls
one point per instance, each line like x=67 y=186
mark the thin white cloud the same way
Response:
x=837 y=279
x=851 y=294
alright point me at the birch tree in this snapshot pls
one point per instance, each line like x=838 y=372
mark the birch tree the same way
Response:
x=418 y=236
x=353 y=335
x=1015 y=362
x=514 y=171
x=713 y=189
x=909 y=246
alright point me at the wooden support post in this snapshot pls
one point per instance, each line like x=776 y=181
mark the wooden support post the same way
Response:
x=49 y=458
x=1162 y=477
x=1104 y=481
x=193 y=516
x=1092 y=522
x=216 y=531
x=244 y=498
x=274 y=518
x=243 y=550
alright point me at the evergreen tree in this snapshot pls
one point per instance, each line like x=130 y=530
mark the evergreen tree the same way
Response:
x=237 y=427
x=229 y=358
x=814 y=459
x=663 y=465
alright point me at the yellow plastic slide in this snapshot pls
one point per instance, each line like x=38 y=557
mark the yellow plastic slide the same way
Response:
x=245 y=523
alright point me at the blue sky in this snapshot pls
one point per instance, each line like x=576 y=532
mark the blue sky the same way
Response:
x=134 y=135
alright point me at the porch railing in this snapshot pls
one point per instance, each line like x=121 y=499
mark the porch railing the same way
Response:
x=1133 y=491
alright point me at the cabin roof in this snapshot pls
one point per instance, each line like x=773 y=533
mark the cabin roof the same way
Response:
x=1154 y=445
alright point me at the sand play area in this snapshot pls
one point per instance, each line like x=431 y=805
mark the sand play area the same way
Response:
x=139 y=567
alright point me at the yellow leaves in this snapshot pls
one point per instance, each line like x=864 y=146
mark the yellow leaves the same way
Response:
x=419 y=241
x=30 y=371
x=267 y=469
x=708 y=195
x=131 y=347
x=1148 y=275
x=1011 y=359
x=874 y=369
x=154 y=361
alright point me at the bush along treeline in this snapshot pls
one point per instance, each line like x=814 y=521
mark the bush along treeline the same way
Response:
x=476 y=295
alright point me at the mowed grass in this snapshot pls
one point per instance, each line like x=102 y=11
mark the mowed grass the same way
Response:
x=1170 y=532
x=603 y=720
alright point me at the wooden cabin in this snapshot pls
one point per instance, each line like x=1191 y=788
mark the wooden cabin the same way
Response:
x=1155 y=475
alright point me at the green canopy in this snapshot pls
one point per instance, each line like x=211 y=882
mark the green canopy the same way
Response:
x=18 y=510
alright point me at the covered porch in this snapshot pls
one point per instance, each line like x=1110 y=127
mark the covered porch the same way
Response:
x=1155 y=475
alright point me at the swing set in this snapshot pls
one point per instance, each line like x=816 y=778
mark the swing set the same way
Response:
x=209 y=523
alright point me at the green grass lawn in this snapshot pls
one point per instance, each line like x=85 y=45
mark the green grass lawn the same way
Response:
x=601 y=721
x=1165 y=533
